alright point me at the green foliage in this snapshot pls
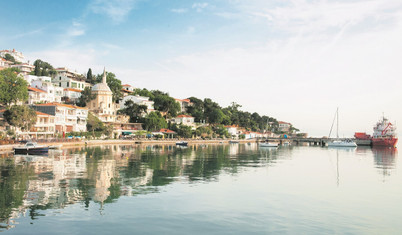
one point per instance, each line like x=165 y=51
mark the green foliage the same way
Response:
x=20 y=116
x=183 y=130
x=43 y=68
x=134 y=111
x=114 y=85
x=86 y=97
x=10 y=58
x=13 y=88
x=154 y=121
x=90 y=77
x=164 y=103
x=94 y=124
x=204 y=131
x=144 y=92
x=197 y=109
x=221 y=131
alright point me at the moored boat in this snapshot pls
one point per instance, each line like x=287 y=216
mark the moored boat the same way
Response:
x=31 y=148
x=339 y=142
x=182 y=143
x=268 y=144
x=384 y=134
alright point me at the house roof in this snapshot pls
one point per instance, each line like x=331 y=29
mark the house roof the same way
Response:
x=280 y=122
x=36 y=89
x=167 y=131
x=61 y=105
x=126 y=85
x=183 y=100
x=72 y=89
x=180 y=116
x=42 y=114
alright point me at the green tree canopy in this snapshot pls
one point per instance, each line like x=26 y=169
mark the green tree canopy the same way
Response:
x=90 y=78
x=94 y=124
x=13 y=88
x=135 y=111
x=43 y=68
x=20 y=116
x=10 y=58
x=154 y=121
x=86 y=97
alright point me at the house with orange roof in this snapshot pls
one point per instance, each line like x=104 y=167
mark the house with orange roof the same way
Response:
x=68 y=118
x=18 y=56
x=184 y=103
x=54 y=92
x=36 y=95
x=284 y=126
x=72 y=94
x=127 y=89
x=186 y=120
x=4 y=64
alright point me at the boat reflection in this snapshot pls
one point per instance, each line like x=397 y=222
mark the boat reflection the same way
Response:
x=384 y=159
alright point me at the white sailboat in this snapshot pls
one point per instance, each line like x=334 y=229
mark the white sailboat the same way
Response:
x=339 y=142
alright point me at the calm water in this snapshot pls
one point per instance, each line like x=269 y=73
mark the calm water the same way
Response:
x=213 y=189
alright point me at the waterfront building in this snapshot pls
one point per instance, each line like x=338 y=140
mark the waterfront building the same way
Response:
x=18 y=56
x=184 y=103
x=284 y=126
x=140 y=100
x=233 y=130
x=186 y=120
x=68 y=79
x=68 y=118
x=103 y=106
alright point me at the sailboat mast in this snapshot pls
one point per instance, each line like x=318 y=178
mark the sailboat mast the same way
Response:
x=337 y=123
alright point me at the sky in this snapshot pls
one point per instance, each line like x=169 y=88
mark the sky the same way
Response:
x=295 y=60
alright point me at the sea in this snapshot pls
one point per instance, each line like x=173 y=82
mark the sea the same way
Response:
x=202 y=189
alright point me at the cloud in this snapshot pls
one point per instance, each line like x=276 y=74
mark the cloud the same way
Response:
x=76 y=29
x=179 y=10
x=199 y=7
x=117 y=10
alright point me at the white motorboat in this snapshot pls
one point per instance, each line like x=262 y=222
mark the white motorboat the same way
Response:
x=267 y=144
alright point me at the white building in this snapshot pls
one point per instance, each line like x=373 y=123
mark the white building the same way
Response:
x=184 y=119
x=68 y=79
x=4 y=63
x=25 y=68
x=68 y=118
x=140 y=100
x=18 y=56
x=184 y=103
x=72 y=94
x=36 y=95
x=54 y=92
x=284 y=126
x=232 y=130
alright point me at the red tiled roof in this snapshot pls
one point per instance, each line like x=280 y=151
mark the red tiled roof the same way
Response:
x=36 y=89
x=72 y=89
x=166 y=131
x=184 y=116
x=183 y=100
x=126 y=85
x=42 y=114
x=280 y=122
x=62 y=105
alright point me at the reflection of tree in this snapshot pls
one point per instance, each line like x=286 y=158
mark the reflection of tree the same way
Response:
x=13 y=183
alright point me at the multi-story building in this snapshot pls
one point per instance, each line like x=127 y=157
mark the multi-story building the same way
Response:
x=25 y=68
x=184 y=103
x=72 y=94
x=54 y=92
x=36 y=95
x=184 y=119
x=284 y=126
x=140 y=100
x=68 y=118
x=127 y=90
x=68 y=79
x=18 y=56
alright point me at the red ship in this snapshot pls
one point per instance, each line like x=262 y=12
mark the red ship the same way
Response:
x=384 y=134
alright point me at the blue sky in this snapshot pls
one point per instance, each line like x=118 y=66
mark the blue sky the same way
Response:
x=295 y=60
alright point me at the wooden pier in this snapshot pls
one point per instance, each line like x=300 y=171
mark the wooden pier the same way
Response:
x=313 y=141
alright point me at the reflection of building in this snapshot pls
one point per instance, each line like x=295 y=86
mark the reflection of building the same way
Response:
x=104 y=174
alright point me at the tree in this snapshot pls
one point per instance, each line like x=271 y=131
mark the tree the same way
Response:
x=135 y=111
x=89 y=76
x=196 y=110
x=114 y=85
x=86 y=97
x=94 y=124
x=203 y=131
x=183 y=130
x=43 y=68
x=9 y=58
x=164 y=103
x=13 y=88
x=20 y=116
x=221 y=131
x=154 y=121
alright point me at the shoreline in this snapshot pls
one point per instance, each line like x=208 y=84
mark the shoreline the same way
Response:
x=9 y=147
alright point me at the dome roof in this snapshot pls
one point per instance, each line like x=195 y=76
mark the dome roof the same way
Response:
x=101 y=87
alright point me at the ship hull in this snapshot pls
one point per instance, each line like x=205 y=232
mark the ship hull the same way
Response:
x=384 y=142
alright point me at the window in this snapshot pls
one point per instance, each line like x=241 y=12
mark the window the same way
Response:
x=68 y=84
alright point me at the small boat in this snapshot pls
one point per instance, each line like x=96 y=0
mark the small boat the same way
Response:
x=267 y=144
x=31 y=148
x=233 y=142
x=182 y=143
x=339 y=142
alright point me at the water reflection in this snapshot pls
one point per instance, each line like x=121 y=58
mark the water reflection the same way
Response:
x=100 y=175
